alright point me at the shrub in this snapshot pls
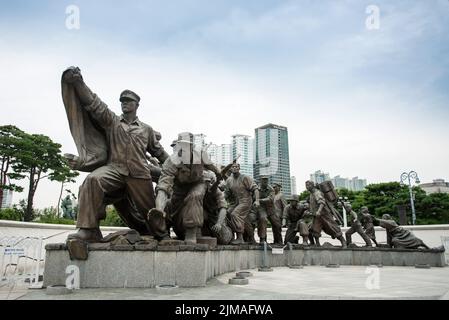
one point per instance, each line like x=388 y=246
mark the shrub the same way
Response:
x=11 y=214
x=112 y=218
x=49 y=215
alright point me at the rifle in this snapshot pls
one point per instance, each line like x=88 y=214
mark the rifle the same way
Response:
x=335 y=213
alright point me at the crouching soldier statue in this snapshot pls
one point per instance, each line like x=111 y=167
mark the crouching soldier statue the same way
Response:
x=293 y=218
x=181 y=188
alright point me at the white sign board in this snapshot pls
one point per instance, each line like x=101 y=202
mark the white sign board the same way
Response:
x=277 y=250
x=445 y=241
x=14 y=251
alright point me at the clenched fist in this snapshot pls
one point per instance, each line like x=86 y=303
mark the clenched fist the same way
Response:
x=72 y=75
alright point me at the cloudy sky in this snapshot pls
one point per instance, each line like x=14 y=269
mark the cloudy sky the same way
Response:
x=357 y=101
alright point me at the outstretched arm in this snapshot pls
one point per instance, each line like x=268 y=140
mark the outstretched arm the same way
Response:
x=89 y=101
x=73 y=76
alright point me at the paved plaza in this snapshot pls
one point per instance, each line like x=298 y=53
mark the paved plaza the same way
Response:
x=311 y=282
x=283 y=283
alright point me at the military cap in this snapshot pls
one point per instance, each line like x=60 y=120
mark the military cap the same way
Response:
x=264 y=177
x=128 y=94
x=386 y=217
x=293 y=197
x=277 y=185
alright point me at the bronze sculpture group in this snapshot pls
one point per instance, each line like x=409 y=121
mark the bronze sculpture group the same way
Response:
x=123 y=156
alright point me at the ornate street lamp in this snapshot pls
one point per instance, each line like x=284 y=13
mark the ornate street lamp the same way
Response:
x=408 y=177
x=345 y=201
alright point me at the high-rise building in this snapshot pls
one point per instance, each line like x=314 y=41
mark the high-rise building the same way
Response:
x=219 y=155
x=293 y=184
x=272 y=155
x=319 y=176
x=341 y=183
x=199 y=139
x=357 y=184
x=243 y=145
x=224 y=156
x=212 y=152
x=7 y=199
x=354 y=184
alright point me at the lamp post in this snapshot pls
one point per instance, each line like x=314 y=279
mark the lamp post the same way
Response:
x=408 y=177
x=345 y=219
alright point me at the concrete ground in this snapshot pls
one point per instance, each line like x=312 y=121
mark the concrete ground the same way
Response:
x=311 y=282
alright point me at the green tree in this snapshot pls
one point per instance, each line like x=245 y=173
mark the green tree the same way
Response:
x=304 y=195
x=32 y=156
x=383 y=198
x=12 y=139
x=433 y=208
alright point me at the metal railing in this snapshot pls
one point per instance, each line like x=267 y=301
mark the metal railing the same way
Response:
x=20 y=260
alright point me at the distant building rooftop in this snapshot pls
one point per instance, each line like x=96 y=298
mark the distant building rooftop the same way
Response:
x=272 y=126
x=437 y=186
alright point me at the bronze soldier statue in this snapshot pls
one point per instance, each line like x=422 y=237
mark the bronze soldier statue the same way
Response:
x=293 y=218
x=113 y=148
x=265 y=213
x=239 y=192
x=67 y=208
x=181 y=188
x=279 y=201
x=356 y=226
x=367 y=221
x=323 y=217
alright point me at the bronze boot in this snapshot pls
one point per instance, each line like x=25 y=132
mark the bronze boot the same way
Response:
x=88 y=235
x=239 y=239
x=190 y=235
x=305 y=241
x=343 y=242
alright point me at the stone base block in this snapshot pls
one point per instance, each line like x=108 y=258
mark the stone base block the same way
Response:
x=183 y=265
